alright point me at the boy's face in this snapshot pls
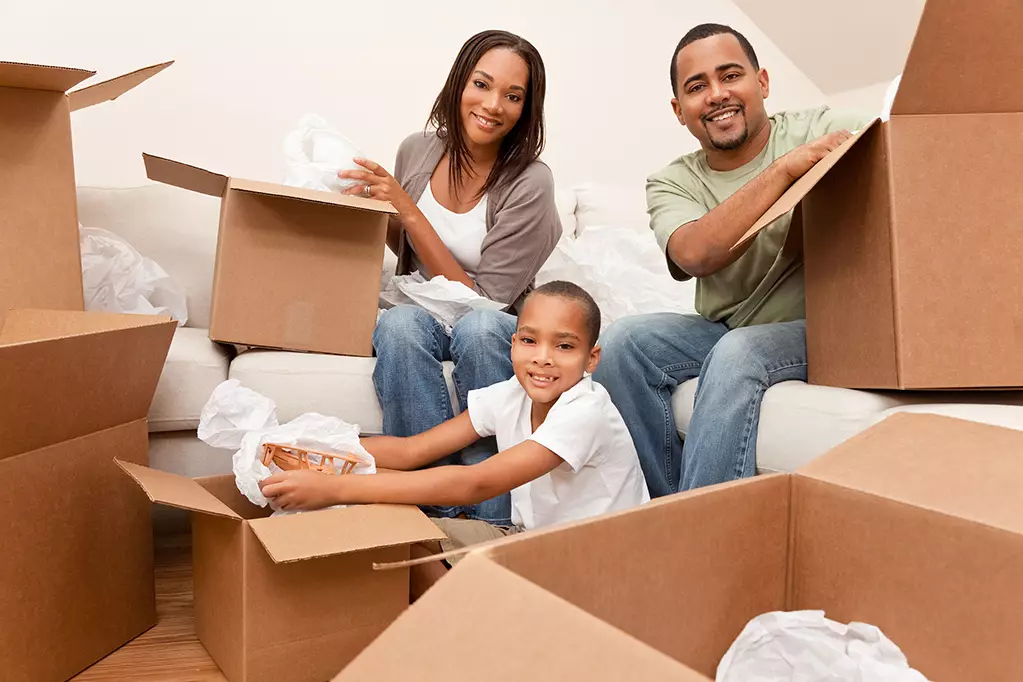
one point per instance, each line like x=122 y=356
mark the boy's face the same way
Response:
x=551 y=347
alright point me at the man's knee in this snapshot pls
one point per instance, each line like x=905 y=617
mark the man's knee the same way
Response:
x=759 y=349
x=482 y=326
x=402 y=326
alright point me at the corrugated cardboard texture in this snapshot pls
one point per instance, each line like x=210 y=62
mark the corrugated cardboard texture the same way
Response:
x=683 y=575
x=184 y=176
x=40 y=264
x=338 y=531
x=77 y=571
x=177 y=491
x=850 y=317
x=448 y=637
x=113 y=88
x=971 y=80
x=219 y=588
x=63 y=388
x=37 y=77
x=315 y=196
x=959 y=248
x=305 y=621
x=297 y=275
x=945 y=590
x=958 y=467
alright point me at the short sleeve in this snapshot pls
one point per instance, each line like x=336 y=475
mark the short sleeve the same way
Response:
x=572 y=430
x=830 y=120
x=483 y=405
x=670 y=207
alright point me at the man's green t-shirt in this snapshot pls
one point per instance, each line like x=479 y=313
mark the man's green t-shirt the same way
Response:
x=766 y=283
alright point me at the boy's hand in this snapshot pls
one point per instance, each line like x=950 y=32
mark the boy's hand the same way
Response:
x=301 y=490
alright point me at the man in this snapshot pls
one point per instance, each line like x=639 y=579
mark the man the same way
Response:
x=751 y=331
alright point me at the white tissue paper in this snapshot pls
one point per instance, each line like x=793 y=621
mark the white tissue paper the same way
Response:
x=445 y=301
x=804 y=646
x=118 y=279
x=622 y=269
x=238 y=418
x=889 y=98
x=315 y=153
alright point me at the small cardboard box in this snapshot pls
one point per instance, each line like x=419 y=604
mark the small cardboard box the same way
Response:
x=76 y=577
x=40 y=263
x=296 y=269
x=915 y=526
x=912 y=230
x=291 y=597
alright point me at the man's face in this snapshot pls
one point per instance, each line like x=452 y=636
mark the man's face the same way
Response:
x=720 y=95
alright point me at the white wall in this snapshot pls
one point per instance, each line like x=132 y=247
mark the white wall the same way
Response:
x=246 y=71
x=869 y=99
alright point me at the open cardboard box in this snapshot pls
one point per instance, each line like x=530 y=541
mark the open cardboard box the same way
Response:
x=40 y=263
x=291 y=597
x=76 y=578
x=912 y=230
x=296 y=269
x=915 y=526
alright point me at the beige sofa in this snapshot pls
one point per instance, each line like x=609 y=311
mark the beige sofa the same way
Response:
x=178 y=229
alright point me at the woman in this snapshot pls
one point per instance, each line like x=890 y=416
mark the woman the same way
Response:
x=476 y=206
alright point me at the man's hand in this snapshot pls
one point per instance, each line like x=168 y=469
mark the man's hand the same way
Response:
x=801 y=159
x=302 y=490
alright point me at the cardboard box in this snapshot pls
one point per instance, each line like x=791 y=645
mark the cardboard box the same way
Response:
x=291 y=597
x=915 y=526
x=76 y=577
x=40 y=264
x=296 y=269
x=912 y=236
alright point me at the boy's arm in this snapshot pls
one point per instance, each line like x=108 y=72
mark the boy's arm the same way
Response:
x=440 y=486
x=404 y=454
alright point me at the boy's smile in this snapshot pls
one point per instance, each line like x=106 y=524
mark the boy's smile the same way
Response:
x=551 y=349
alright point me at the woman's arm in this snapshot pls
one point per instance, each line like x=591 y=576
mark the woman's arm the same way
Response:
x=442 y=486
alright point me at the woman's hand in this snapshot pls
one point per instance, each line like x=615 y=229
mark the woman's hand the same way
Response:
x=377 y=184
x=302 y=490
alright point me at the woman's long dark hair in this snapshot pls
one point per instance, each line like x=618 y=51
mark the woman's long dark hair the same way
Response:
x=523 y=144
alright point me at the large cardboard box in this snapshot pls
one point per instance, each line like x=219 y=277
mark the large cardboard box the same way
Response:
x=912 y=230
x=915 y=526
x=290 y=597
x=40 y=264
x=296 y=269
x=76 y=577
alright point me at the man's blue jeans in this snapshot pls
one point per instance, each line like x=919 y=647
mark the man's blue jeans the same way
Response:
x=409 y=380
x=645 y=357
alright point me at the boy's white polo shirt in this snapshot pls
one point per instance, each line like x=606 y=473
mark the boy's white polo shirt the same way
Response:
x=600 y=472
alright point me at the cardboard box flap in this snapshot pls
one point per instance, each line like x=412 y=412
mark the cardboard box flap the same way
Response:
x=801 y=187
x=176 y=491
x=554 y=640
x=67 y=374
x=302 y=194
x=37 y=77
x=965 y=469
x=184 y=176
x=113 y=88
x=339 y=531
x=956 y=60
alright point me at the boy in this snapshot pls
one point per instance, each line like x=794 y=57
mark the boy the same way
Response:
x=564 y=450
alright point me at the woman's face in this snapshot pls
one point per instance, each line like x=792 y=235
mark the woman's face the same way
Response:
x=493 y=99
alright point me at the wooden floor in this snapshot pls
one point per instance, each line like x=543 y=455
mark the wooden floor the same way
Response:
x=169 y=652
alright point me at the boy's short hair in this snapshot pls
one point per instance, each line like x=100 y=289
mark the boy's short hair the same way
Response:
x=573 y=292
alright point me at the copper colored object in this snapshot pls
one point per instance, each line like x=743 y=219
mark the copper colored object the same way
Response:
x=291 y=457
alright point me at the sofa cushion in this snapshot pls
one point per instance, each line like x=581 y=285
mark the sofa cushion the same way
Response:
x=174 y=227
x=566 y=203
x=194 y=367
x=611 y=206
x=335 y=385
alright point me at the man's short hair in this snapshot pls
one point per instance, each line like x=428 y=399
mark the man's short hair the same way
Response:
x=574 y=292
x=706 y=31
